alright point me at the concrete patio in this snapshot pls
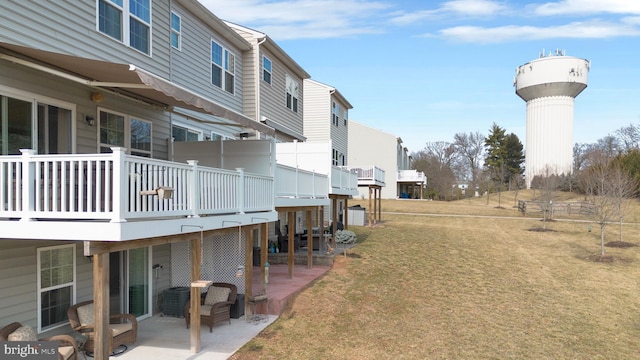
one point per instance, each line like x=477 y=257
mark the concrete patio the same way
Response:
x=163 y=337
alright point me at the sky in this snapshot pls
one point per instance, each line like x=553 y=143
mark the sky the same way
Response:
x=424 y=70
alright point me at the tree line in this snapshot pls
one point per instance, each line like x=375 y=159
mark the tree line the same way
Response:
x=471 y=164
x=495 y=162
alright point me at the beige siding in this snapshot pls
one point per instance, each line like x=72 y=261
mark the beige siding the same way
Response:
x=372 y=147
x=317 y=114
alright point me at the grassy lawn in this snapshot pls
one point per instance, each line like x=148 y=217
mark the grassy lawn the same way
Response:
x=419 y=286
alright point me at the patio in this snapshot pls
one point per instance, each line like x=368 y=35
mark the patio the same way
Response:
x=163 y=337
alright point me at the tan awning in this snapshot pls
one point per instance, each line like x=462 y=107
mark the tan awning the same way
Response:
x=128 y=79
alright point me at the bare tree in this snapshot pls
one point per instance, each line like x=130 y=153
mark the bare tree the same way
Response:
x=548 y=184
x=470 y=149
x=629 y=136
x=437 y=160
x=622 y=187
x=597 y=179
x=609 y=146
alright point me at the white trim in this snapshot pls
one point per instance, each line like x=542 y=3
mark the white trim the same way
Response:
x=37 y=98
x=223 y=67
x=172 y=31
x=125 y=31
x=127 y=131
x=270 y=83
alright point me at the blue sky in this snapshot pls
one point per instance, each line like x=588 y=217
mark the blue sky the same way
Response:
x=426 y=70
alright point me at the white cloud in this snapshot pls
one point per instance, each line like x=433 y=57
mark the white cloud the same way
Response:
x=293 y=19
x=473 y=7
x=574 y=7
x=576 y=30
x=462 y=8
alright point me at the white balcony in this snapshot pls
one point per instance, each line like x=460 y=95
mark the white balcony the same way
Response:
x=298 y=187
x=111 y=197
x=369 y=175
x=411 y=176
x=343 y=181
x=316 y=158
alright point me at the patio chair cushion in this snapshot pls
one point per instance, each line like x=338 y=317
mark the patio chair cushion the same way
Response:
x=205 y=310
x=217 y=294
x=85 y=314
x=23 y=333
x=118 y=329
x=66 y=351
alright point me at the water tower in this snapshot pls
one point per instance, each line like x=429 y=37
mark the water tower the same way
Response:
x=549 y=85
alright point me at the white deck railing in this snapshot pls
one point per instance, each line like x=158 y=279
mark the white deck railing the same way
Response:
x=369 y=175
x=297 y=183
x=343 y=180
x=411 y=176
x=111 y=187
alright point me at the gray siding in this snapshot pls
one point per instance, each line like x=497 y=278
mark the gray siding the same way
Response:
x=273 y=98
x=18 y=281
x=69 y=27
x=40 y=85
x=191 y=67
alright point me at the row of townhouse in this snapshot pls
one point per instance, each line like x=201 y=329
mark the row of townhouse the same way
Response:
x=149 y=144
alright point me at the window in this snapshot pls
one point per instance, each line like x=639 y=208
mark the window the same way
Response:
x=216 y=136
x=124 y=131
x=56 y=284
x=51 y=133
x=335 y=111
x=180 y=133
x=344 y=117
x=140 y=137
x=292 y=94
x=334 y=158
x=221 y=59
x=176 y=31
x=266 y=70
x=115 y=17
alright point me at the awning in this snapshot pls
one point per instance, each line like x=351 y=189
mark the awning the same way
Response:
x=129 y=79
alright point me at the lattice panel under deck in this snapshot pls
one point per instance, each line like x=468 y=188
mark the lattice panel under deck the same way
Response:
x=221 y=256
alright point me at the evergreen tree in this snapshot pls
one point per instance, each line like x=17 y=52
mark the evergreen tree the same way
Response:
x=515 y=155
x=496 y=153
x=504 y=155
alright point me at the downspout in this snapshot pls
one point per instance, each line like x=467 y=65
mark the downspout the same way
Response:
x=258 y=80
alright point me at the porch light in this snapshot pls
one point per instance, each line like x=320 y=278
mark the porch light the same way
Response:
x=91 y=121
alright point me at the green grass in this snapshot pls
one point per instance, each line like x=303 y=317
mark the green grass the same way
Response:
x=425 y=287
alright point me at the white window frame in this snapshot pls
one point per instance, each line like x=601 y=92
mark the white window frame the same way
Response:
x=125 y=30
x=345 y=117
x=36 y=99
x=127 y=133
x=265 y=71
x=227 y=68
x=176 y=32
x=292 y=90
x=216 y=136
x=188 y=129
x=42 y=290
x=335 y=114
